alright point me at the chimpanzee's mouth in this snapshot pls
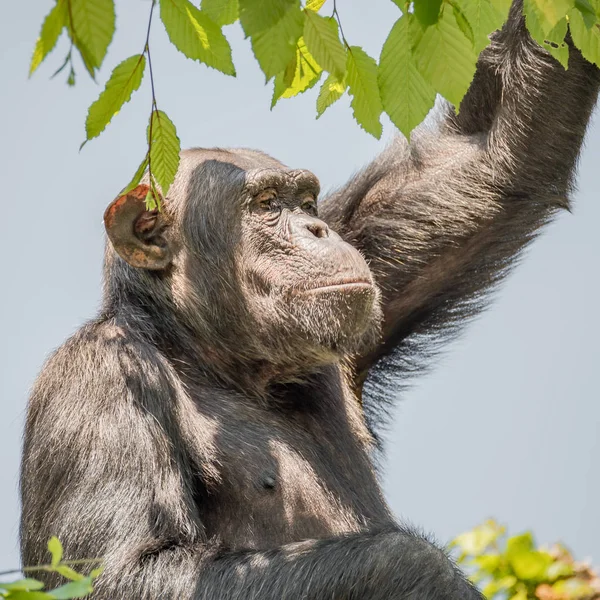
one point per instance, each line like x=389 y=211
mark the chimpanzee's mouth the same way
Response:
x=339 y=286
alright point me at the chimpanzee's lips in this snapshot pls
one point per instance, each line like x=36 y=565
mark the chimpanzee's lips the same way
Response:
x=339 y=286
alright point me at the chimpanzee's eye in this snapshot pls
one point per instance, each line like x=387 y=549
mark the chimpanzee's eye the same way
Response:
x=267 y=201
x=309 y=206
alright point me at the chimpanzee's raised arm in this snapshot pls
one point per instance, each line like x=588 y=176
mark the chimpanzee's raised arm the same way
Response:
x=441 y=220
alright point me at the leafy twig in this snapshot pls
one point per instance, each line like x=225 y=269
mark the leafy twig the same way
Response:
x=50 y=568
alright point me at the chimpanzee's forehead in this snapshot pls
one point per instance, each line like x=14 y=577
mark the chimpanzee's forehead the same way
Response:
x=243 y=158
x=259 y=170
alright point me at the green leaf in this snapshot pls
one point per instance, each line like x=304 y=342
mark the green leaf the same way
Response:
x=164 y=150
x=498 y=585
x=56 y=550
x=20 y=595
x=276 y=47
x=137 y=177
x=488 y=562
x=124 y=80
x=587 y=40
x=520 y=595
x=519 y=543
x=484 y=19
x=331 y=91
x=257 y=16
x=502 y=6
x=74 y=589
x=68 y=573
x=553 y=40
x=462 y=21
x=445 y=58
x=94 y=573
x=222 y=12
x=575 y=589
x=545 y=13
x=192 y=32
x=559 y=569
x=588 y=12
x=92 y=29
x=53 y=25
x=152 y=199
x=406 y=96
x=362 y=86
x=530 y=566
x=475 y=542
x=314 y=5
x=555 y=43
x=323 y=41
x=427 y=11
x=23 y=585
x=301 y=74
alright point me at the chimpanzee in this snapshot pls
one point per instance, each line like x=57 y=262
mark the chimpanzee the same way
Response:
x=206 y=433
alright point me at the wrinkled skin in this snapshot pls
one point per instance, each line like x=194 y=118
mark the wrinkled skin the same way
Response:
x=211 y=433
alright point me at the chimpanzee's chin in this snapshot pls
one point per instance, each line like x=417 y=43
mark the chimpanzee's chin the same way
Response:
x=345 y=319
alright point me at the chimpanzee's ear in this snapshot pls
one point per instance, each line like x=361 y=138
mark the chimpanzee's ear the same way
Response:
x=137 y=234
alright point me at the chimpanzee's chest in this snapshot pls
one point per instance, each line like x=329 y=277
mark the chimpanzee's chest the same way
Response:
x=273 y=477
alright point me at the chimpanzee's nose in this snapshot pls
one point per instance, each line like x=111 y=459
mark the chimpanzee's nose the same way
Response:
x=318 y=228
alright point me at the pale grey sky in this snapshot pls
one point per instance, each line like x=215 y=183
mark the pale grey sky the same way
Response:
x=506 y=425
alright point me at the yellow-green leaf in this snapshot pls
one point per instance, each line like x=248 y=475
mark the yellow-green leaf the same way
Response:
x=475 y=542
x=276 y=47
x=559 y=569
x=331 y=91
x=75 y=589
x=137 y=176
x=484 y=19
x=53 y=25
x=589 y=10
x=502 y=6
x=587 y=40
x=222 y=12
x=498 y=585
x=92 y=25
x=314 y=5
x=257 y=16
x=323 y=41
x=164 y=150
x=124 y=80
x=463 y=22
x=520 y=595
x=22 y=585
x=555 y=43
x=546 y=13
x=56 y=550
x=488 y=562
x=68 y=573
x=194 y=34
x=530 y=566
x=518 y=544
x=94 y=573
x=427 y=11
x=406 y=96
x=22 y=595
x=362 y=86
x=302 y=73
x=575 y=589
x=446 y=59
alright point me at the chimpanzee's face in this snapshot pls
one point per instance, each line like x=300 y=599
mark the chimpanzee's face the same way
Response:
x=299 y=276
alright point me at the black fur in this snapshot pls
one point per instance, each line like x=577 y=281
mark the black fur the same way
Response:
x=205 y=433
